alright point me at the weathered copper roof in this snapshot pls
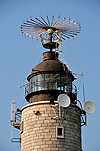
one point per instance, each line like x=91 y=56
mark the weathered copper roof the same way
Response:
x=50 y=64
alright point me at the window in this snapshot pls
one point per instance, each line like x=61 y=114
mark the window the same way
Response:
x=60 y=132
x=49 y=81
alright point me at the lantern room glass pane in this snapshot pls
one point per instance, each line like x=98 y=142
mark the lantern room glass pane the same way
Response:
x=49 y=81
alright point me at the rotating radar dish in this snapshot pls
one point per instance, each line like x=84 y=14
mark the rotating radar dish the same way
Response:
x=51 y=33
x=89 y=107
x=64 y=100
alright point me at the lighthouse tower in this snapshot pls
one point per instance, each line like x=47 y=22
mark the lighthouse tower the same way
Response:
x=52 y=119
x=43 y=128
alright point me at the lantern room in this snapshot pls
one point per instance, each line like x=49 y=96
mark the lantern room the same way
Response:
x=49 y=79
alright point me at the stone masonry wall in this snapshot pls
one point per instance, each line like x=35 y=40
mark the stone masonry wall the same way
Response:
x=39 y=131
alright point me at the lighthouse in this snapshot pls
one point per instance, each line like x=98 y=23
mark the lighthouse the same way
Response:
x=43 y=129
x=52 y=119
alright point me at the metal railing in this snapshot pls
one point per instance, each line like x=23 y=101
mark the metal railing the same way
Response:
x=49 y=85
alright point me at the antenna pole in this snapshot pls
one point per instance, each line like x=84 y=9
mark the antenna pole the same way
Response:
x=83 y=93
x=50 y=41
x=59 y=111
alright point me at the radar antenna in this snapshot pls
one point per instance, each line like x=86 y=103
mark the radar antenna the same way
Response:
x=51 y=34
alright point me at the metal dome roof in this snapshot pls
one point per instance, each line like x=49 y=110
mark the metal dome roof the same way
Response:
x=47 y=66
x=50 y=64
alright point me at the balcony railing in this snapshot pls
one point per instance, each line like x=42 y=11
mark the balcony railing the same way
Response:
x=50 y=85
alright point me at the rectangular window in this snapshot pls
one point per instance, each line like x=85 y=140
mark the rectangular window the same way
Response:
x=60 y=132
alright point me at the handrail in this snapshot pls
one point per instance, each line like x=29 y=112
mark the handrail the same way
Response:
x=49 y=85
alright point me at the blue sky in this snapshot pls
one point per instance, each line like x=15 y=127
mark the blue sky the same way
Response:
x=18 y=55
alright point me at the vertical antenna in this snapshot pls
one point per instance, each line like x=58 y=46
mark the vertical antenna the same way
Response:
x=83 y=93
